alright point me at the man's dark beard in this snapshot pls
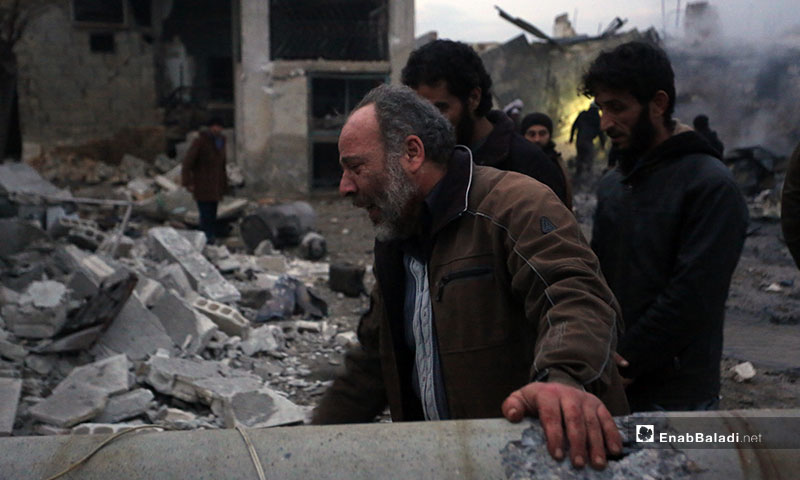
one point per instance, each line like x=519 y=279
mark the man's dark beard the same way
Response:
x=465 y=127
x=642 y=136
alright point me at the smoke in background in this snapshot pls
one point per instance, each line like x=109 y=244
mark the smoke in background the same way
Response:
x=747 y=83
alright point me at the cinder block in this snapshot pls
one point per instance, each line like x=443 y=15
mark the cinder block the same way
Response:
x=228 y=319
x=205 y=278
x=187 y=327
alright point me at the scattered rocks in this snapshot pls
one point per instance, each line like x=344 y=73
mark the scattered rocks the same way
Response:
x=743 y=372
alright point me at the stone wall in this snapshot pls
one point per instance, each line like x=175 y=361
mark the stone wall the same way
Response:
x=69 y=94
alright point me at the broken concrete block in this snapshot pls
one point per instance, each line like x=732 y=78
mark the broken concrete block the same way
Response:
x=346 y=278
x=70 y=406
x=40 y=364
x=82 y=285
x=74 y=342
x=17 y=178
x=126 y=405
x=101 y=428
x=284 y=225
x=10 y=389
x=135 y=332
x=206 y=279
x=259 y=409
x=42 y=310
x=16 y=235
x=187 y=327
x=149 y=291
x=743 y=372
x=109 y=375
x=166 y=183
x=346 y=339
x=45 y=429
x=86 y=238
x=69 y=257
x=274 y=264
x=195 y=380
x=228 y=319
x=196 y=238
x=173 y=277
x=12 y=351
x=268 y=338
x=62 y=225
x=172 y=415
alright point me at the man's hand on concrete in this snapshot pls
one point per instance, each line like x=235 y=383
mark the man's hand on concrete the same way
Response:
x=588 y=422
x=622 y=363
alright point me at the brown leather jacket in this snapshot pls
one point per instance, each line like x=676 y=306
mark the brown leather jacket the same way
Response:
x=204 y=169
x=516 y=293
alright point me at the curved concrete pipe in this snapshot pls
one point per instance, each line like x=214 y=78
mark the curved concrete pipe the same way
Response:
x=465 y=449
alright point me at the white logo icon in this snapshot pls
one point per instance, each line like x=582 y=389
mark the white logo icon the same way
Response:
x=645 y=433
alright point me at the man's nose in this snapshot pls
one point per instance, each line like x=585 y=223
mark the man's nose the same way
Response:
x=346 y=185
x=605 y=122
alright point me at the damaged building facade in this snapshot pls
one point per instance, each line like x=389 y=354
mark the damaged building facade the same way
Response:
x=141 y=73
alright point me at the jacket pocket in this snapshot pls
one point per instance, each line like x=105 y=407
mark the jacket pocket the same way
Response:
x=472 y=273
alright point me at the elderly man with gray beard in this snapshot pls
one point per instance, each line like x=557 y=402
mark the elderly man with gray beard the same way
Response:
x=488 y=300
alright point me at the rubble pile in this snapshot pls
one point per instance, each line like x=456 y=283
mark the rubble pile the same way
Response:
x=107 y=324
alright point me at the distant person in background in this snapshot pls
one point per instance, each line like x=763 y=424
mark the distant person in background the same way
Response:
x=538 y=128
x=790 y=206
x=701 y=126
x=587 y=126
x=203 y=173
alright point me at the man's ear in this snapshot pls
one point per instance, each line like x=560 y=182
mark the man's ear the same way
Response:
x=474 y=99
x=659 y=104
x=415 y=154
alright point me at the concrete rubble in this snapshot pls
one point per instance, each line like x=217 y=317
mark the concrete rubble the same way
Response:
x=158 y=328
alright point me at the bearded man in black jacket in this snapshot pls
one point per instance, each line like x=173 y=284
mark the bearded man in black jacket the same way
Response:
x=668 y=230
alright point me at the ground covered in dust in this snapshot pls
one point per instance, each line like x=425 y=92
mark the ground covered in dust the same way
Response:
x=763 y=309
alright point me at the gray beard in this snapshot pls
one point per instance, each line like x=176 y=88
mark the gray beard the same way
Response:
x=398 y=221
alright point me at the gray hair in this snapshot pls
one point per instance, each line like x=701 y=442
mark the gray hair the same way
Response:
x=401 y=112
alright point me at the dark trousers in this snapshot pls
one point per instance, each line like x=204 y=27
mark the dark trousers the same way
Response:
x=208 y=219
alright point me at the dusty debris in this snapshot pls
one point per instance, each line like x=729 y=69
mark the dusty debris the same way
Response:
x=743 y=372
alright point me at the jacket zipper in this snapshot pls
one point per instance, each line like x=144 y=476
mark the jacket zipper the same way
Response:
x=461 y=274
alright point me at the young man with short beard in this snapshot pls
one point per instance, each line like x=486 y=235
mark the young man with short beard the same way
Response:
x=668 y=230
x=452 y=77
x=488 y=302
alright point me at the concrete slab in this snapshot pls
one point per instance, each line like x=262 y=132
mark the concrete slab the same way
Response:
x=70 y=406
x=260 y=409
x=10 y=389
x=167 y=243
x=136 y=332
x=41 y=313
x=174 y=278
x=187 y=327
x=109 y=375
x=126 y=405
x=268 y=338
x=149 y=291
x=196 y=238
x=19 y=178
x=198 y=380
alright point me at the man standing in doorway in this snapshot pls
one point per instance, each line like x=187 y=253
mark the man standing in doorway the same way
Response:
x=587 y=126
x=452 y=77
x=203 y=173
x=668 y=230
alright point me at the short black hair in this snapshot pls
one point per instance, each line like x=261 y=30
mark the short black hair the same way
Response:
x=640 y=68
x=700 y=122
x=454 y=62
x=215 y=121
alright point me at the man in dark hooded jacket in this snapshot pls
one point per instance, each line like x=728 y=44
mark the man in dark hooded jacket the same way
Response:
x=668 y=230
x=452 y=77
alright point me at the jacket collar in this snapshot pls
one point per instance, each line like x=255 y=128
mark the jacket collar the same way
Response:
x=496 y=146
x=677 y=146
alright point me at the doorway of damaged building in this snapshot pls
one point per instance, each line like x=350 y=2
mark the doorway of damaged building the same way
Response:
x=196 y=76
x=347 y=31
